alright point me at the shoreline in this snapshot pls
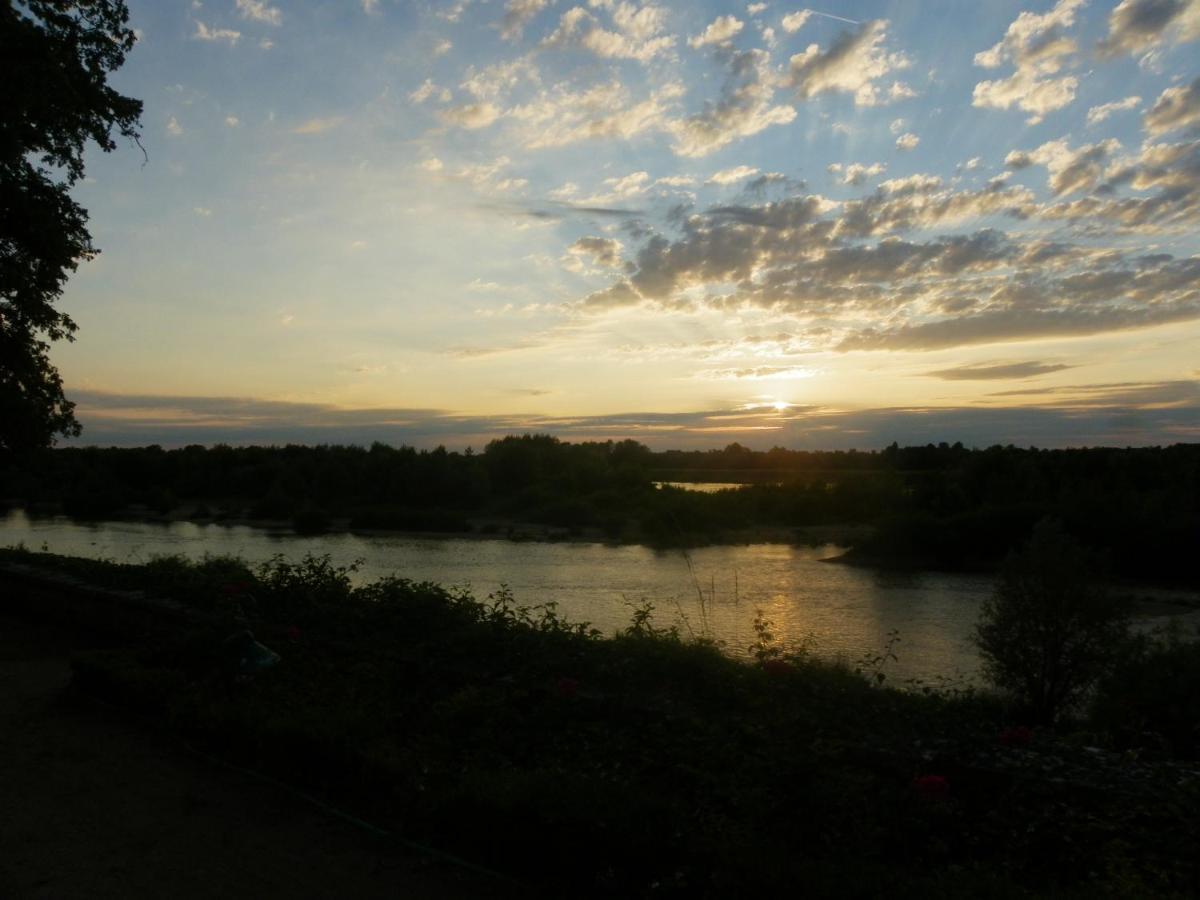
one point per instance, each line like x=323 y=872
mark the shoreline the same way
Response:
x=1150 y=598
x=486 y=529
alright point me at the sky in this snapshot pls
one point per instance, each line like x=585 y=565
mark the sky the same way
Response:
x=683 y=223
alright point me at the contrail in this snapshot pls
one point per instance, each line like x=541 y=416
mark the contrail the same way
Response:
x=832 y=16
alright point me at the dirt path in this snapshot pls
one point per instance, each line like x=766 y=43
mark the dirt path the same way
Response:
x=93 y=805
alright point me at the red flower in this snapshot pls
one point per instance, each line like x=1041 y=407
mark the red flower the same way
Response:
x=932 y=787
x=1016 y=736
x=566 y=687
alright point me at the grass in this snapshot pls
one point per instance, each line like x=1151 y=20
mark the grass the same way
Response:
x=640 y=763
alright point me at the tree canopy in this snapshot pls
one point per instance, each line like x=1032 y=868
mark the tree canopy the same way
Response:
x=55 y=60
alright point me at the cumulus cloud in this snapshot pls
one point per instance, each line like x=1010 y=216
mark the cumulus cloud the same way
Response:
x=719 y=31
x=517 y=14
x=849 y=269
x=1097 y=114
x=259 y=11
x=853 y=64
x=204 y=33
x=1070 y=170
x=637 y=34
x=495 y=81
x=856 y=173
x=471 y=115
x=1141 y=26
x=561 y=116
x=174 y=129
x=921 y=201
x=1037 y=48
x=1176 y=107
x=792 y=254
x=744 y=108
x=1007 y=325
x=1166 y=175
x=599 y=251
x=794 y=21
x=428 y=90
x=907 y=141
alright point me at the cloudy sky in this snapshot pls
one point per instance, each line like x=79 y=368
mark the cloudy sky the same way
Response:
x=688 y=223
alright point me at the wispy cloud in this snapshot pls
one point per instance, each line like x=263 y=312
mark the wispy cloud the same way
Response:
x=318 y=125
x=998 y=371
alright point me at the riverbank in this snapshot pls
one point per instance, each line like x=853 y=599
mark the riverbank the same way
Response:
x=479 y=528
x=1148 y=597
x=642 y=765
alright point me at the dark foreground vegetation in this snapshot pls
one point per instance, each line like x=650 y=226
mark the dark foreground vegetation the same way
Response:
x=640 y=764
x=935 y=506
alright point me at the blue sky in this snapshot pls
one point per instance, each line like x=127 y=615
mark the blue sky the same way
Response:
x=686 y=223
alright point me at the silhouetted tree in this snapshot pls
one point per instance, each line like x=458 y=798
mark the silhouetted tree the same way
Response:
x=55 y=58
x=1050 y=630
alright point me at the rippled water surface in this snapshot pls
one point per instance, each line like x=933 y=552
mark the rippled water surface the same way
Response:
x=841 y=609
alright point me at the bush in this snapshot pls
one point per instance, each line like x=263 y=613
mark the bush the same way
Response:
x=1050 y=631
x=1149 y=699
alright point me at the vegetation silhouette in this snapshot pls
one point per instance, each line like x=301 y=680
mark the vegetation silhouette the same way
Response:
x=639 y=765
x=1051 y=629
x=55 y=59
x=936 y=506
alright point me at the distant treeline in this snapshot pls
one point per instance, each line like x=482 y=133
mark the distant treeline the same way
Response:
x=944 y=505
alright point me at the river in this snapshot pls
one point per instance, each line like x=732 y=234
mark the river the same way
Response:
x=839 y=610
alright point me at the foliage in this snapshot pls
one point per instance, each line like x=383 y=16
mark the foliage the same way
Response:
x=642 y=765
x=55 y=59
x=1148 y=701
x=1050 y=630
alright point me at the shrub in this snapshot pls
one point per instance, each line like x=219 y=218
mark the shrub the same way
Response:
x=1050 y=630
x=1149 y=699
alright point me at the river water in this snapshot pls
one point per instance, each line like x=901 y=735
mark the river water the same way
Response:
x=840 y=610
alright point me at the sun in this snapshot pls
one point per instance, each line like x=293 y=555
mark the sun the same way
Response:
x=780 y=405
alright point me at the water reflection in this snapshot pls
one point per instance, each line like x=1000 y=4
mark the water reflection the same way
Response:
x=703 y=487
x=846 y=611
